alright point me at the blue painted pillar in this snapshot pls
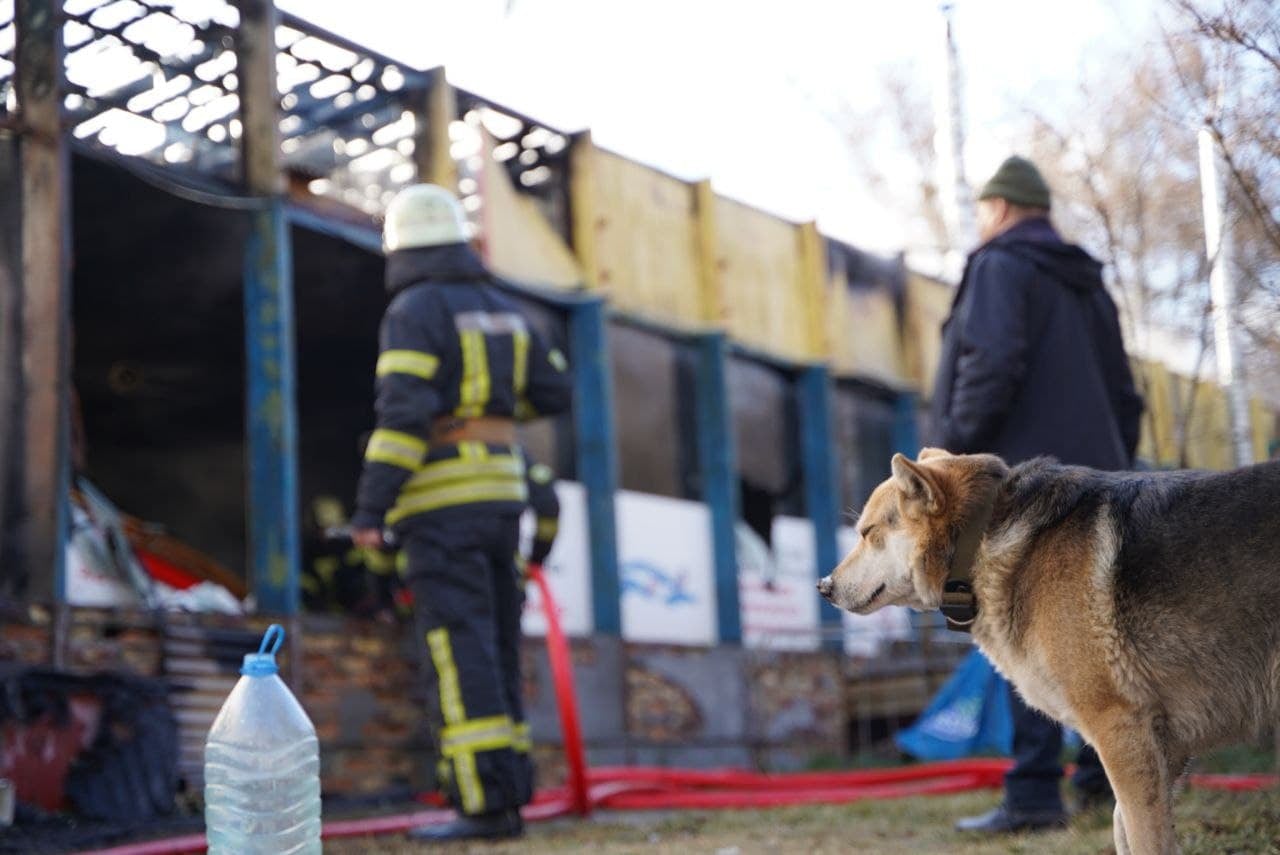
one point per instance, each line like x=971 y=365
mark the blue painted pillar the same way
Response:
x=597 y=456
x=271 y=413
x=821 y=486
x=718 y=471
x=906 y=435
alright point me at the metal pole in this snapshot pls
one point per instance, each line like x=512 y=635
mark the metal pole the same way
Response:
x=597 y=456
x=271 y=412
x=717 y=464
x=13 y=579
x=949 y=142
x=45 y=294
x=1217 y=237
x=822 y=495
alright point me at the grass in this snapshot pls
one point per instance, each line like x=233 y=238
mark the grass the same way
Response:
x=1207 y=822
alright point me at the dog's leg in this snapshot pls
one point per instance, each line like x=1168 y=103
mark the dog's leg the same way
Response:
x=1136 y=765
x=1117 y=832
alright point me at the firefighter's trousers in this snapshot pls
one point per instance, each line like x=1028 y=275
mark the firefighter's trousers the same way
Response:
x=462 y=571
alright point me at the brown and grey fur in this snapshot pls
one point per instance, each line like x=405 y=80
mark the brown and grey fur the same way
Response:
x=1142 y=609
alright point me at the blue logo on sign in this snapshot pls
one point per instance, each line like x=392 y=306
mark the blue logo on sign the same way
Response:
x=653 y=583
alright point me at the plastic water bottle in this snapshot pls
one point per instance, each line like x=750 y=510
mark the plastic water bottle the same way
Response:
x=262 y=766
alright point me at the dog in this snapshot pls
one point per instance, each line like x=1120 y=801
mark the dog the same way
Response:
x=1140 y=608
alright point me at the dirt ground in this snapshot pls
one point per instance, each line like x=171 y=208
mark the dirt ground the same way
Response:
x=1208 y=824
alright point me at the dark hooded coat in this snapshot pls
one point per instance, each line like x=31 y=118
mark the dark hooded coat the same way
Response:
x=1032 y=358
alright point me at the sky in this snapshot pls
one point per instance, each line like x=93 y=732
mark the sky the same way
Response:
x=742 y=92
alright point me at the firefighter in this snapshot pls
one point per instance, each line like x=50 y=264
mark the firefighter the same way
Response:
x=459 y=366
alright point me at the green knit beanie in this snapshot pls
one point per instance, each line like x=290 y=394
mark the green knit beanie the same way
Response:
x=1018 y=181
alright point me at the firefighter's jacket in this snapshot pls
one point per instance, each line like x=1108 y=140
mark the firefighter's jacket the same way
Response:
x=451 y=345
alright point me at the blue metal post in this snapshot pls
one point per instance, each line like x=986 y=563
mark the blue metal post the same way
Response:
x=818 y=459
x=717 y=466
x=597 y=456
x=906 y=436
x=271 y=417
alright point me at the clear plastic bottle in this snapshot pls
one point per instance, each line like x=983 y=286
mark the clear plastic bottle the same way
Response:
x=262 y=766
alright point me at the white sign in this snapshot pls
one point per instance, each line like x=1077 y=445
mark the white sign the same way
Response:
x=667 y=570
x=567 y=568
x=865 y=634
x=776 y=588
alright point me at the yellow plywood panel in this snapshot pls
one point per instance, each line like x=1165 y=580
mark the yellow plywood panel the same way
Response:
x=815 y=291
x=1208 y=436
x=762 y=269
x=1147 y=437
x=582 y=204
x=714 y=310
x=1263 y=423
x=864 y=334
x=646 y=240
x=928 y=304
x=1159 y=444
x=519 y=242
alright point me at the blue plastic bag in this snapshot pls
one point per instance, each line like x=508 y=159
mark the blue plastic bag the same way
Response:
x=969 y=716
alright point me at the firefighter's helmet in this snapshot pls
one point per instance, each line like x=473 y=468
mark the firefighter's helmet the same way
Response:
x=423 y=215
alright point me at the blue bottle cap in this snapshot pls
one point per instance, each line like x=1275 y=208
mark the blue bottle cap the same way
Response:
x=263 y=663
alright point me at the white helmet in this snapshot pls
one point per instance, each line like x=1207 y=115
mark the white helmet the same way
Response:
x=423 y=215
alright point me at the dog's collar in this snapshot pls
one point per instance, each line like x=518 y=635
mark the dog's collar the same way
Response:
x=959 y=603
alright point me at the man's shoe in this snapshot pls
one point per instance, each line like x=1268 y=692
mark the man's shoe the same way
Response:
x=497 y=825
x=1003 y=820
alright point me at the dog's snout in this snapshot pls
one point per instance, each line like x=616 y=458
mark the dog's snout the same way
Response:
x=825 y=586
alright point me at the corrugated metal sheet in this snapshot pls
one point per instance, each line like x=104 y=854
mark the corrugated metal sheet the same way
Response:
x=203 y=665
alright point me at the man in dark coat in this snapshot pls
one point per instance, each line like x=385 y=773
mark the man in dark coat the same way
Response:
x=1033 y=363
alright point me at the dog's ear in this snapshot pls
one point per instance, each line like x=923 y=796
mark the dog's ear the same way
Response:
x=917 y=484
x=931 y=453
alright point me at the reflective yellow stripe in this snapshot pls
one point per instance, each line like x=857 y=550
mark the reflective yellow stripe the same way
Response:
x=446 y=471
x=481 y=734
x=547 y=529
x=557 y=360
x=447 y=676
x=521 y=738
x=474 y=391
x=396 y=448
x=540 y=473
x=377 y=561
x=467 y=729
x=520 y=362
x=413 y=362
x=326 y=567
x=469 y=787
x=462 y=494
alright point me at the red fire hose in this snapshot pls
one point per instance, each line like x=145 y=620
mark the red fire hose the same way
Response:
x=648 y=788
x=566 y=698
